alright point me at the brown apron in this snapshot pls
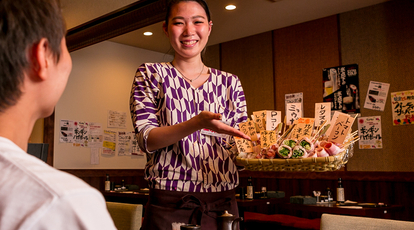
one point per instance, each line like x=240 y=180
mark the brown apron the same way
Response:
x=167 y=207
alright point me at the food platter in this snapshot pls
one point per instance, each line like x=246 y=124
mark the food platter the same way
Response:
x=314 y=164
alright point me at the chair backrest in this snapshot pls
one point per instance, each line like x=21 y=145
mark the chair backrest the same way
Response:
x=342 y=222
x=125 y=216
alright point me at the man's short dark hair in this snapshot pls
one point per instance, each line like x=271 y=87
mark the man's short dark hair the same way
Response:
x=23 y=23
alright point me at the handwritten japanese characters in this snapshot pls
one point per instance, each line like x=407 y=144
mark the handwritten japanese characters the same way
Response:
x=243 y=145
x=249 y=129
x=303 y=128
x=340 y=127
x=369 y=130
x=402 y=107
x=259 y=118
x=273 y=119
x=294 y=112
x=322 y=113
x=267 y=138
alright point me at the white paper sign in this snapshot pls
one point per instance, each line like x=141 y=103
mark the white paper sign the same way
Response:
x=294 y=98
x=370 y=133
x=66 y=131
x=376 y=95
x=322 y=113
x=293 y=112
x=273 y=118
x=117 y=119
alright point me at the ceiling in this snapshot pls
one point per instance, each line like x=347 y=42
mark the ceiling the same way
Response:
x=249 y=18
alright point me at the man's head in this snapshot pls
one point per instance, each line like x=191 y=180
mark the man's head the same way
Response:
x=24 y=24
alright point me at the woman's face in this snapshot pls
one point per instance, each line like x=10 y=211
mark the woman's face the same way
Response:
x=188 y=29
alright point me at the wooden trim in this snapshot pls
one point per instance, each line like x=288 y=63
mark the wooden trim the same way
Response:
x=345 y=175
x=132 y=17
x=103 y=172
x=48 y=136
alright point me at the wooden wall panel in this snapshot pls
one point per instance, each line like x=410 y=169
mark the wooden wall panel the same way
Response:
x=211 y=56
x=300 y=53
x=250 y=58
x=380 y=39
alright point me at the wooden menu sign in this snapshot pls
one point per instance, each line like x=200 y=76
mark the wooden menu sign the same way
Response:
x=249 y=129
x=259 y=119
x=267 y=138
x=243 y=145
x=303 y=128
x=340 y=126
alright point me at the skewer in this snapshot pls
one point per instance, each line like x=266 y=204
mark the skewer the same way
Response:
x=354 y=133
x=321 y=127
x=286 y=133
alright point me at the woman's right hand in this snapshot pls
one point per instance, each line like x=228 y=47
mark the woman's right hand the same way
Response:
x=212 y=121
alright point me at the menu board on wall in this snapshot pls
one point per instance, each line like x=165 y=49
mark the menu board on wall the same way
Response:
x=402 y=107
x=370 y=133
x=341 y=88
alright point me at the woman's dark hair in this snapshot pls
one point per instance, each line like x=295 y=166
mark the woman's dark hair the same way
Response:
x=175 y=2
x=23 y=23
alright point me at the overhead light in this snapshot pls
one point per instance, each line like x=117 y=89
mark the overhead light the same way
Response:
x=230 y=7
x=147 y=33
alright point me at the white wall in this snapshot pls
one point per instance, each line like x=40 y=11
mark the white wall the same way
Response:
x=101 y=80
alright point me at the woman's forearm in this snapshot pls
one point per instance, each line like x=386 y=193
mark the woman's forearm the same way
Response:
x=165 y=136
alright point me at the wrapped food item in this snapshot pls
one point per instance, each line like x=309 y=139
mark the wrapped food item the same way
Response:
x=284 y=151
x=307 y=144
x=332 y=149
x=271 y=153
x=312 y=154
x=290 y=142
x=299 y=152
x=320 y=152
x=322 y=143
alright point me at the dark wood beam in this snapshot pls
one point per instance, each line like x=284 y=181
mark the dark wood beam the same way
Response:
x=129 y=18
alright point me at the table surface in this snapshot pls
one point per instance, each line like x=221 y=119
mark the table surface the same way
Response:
x=378 y=212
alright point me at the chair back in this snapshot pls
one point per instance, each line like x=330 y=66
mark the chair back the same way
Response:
x=125 y=216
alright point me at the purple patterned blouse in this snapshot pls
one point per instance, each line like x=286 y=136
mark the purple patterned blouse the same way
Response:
x=199 y=162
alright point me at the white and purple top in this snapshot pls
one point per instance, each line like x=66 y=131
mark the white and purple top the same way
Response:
x=198 y=162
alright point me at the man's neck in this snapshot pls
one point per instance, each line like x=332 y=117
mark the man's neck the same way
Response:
x=16 y=127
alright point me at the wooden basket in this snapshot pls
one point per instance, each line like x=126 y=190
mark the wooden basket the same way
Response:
x=314 y=164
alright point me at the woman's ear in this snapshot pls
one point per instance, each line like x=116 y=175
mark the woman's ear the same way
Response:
x=165 y=28
x=210 y=26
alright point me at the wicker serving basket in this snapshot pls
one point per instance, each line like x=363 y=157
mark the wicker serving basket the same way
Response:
x=314 y=164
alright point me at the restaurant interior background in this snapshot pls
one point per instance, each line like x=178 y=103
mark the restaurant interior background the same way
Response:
x=379 y=38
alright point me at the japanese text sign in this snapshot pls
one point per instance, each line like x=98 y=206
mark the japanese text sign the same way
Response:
x=267 y=138
x=249 y=129
x=259 y=118
x=369 y=131
x=322 y=113
x=303 y=128
x=402 y=107
x=340 y=128
x=293 y=112
x=243 y=145
x=273 y=118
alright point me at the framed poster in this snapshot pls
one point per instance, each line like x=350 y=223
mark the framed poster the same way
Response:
x=341 y=88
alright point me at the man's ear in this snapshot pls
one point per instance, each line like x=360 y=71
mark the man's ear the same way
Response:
x=41 y=58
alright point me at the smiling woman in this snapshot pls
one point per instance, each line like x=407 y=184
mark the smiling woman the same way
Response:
x=170 y=126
